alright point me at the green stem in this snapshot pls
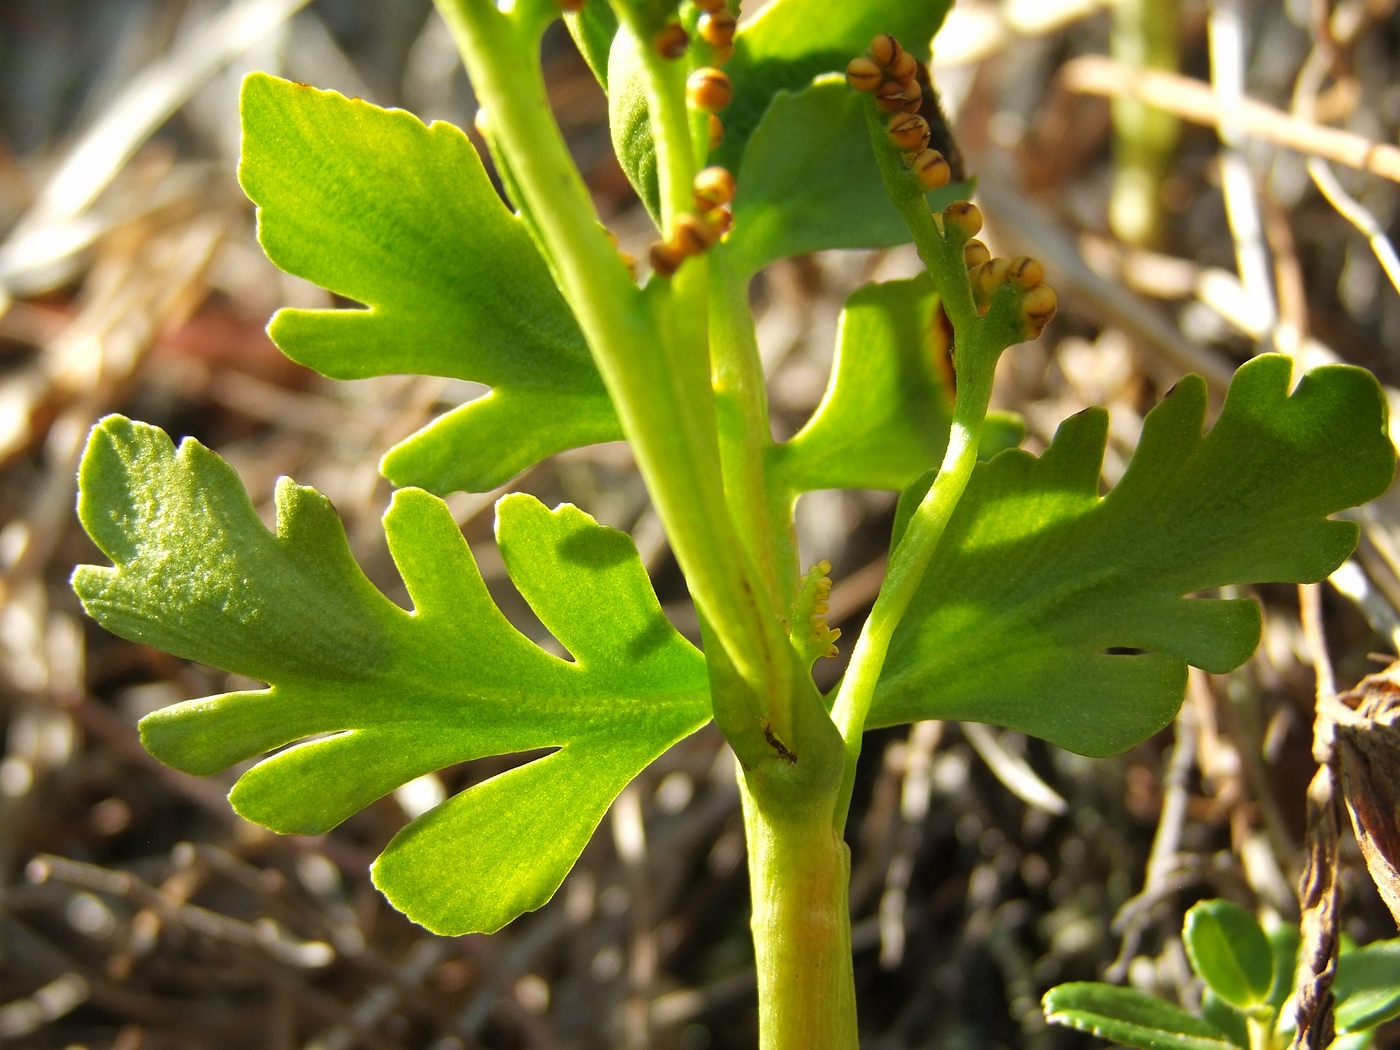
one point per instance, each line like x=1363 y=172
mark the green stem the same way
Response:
x=908 y=562
x=741 y=404
x=633 y=335
x=799 y=873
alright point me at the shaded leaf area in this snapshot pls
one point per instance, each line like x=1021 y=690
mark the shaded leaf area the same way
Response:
x=1131 y=1018
x=1063 y=614
x=377 y=695
x=375 y=206
x=884 y=419
x=790 y=42
x=804 y=137
x=808 y=181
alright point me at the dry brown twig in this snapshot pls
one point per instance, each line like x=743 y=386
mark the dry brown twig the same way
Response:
x=1193 y=100
x=1343 y=29
x=1318 y=891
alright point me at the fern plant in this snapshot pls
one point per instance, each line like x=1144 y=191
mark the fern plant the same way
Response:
x=1016 y=593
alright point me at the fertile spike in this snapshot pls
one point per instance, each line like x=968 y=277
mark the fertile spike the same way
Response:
x=992 y=274
x=1027 y=272
x=671 y=41
x=716 y=130
x=713 y=187
x=863 y=74
x=665 y=258
x=709 y=89
x=717 y=29
x=964 y=217
x=692 y=234
x=892 y=95
x=904 y=66
x=885 y=49
x=909 y=131
x=975 y=253
x=932 y=169
x=914 y=96
x=1038 y=307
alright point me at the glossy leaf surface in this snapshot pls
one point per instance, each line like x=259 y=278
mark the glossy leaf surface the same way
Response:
x=1063 y=614
x=377 y=696
x=377 y=207
x=884 y=419
x=1229 y=951
x=1128 y=1017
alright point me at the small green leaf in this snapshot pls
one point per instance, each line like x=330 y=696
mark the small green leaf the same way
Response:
x=1368 y=986
x=373 y=696
x=1229 y=951
x=629 y=119
x=375 y=206
x=885 y=415
x=808 y=181
x=1061 y=613
x=1126 y=1016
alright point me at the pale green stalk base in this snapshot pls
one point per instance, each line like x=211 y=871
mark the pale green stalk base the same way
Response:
x=799 y=874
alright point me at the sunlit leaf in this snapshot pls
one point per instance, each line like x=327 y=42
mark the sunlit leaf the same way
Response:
x=379 y=208
x=1229 y=951
x=1368 y=986
x=1066 y=614
x=1127 y=1016
x=373 y=696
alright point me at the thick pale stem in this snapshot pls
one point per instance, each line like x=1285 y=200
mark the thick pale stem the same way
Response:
x=666 y=415
x=799 y=870
x=741 y=403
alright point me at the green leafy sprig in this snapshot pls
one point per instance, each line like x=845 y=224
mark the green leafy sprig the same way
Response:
x=1248 y=975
